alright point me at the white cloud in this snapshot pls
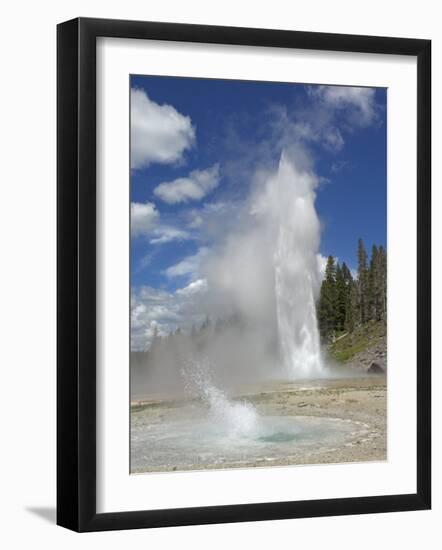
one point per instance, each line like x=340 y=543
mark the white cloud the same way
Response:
x=159 y=133
x=188 y=266
x=360 y=100
x=166 y=234
x=195 y=219
x=195 y=287
x=143 y=218
x=329 y=115
x=195 y=186
x=151 y=310
x=154 y=310
x=198 y=216
x=145 y=221
x=333 y=139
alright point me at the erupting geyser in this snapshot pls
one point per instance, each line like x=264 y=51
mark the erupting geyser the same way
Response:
x=267 y=272
x=296 y=271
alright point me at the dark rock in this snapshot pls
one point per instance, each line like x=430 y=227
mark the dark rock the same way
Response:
x=375 y=368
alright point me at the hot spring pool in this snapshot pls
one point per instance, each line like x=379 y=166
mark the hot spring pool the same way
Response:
x=181 y=439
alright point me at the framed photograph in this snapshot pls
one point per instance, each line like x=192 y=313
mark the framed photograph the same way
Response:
x=243 y=274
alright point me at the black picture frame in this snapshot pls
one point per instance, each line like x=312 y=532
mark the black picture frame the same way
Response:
x=77 y=287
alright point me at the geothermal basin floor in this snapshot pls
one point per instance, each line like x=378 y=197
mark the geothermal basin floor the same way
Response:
x=312 y=422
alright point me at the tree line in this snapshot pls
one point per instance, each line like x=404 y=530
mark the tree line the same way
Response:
x=346 y=302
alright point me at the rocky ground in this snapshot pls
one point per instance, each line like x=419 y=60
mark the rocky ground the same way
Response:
x=361 y=400
x=376 y=354
x=355 y=391
x=363 y=348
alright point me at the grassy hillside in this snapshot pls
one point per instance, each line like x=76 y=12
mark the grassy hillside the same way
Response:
x=369 y=338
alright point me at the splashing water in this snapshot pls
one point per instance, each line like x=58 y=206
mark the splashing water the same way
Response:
x=295 y=264
x=236 y=419
x=230 y=433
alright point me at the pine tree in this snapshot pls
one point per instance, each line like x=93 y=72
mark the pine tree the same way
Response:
x=382 y=283
x=345 y=303
x=327 y=301
x=341 y=299
x=372 y=285
x=352 y=306
x=362 y=287
x=350 y=298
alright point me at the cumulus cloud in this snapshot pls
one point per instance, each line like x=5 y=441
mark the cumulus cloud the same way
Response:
x=152 y=310
x=193 y=288
x=360 y=101
x=328 y=115
x=159 y=133
x=158 y=311
x=143 y=218
x=166 y=234
x=195 y=186
x=188 y=266
x=145 y=222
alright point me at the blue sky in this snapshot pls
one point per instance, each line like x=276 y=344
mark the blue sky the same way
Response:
x=197 y=146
